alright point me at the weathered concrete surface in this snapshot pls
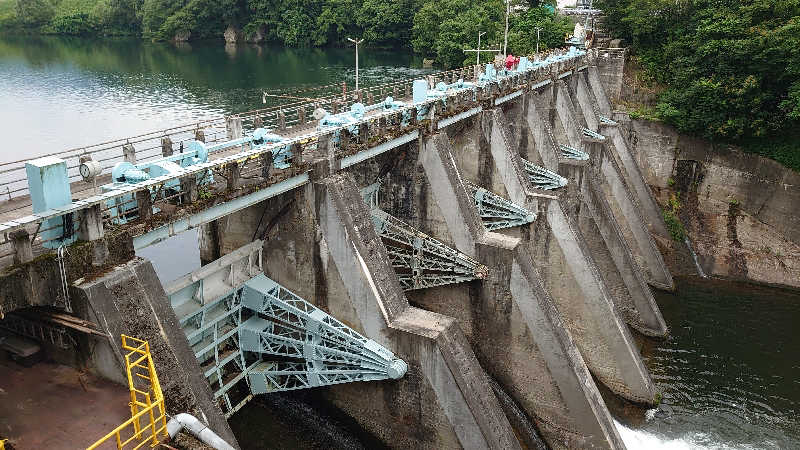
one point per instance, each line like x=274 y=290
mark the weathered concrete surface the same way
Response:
x=130 y=300
x=740 y=210
x=445 y=400
x=516 y=329
x=570 y=274
x=617 y=189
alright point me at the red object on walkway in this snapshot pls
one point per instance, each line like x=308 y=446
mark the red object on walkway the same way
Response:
x=510 y=62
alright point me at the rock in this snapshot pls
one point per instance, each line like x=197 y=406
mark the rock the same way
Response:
x=232 y=35
x=427 y=62
x=257 y=36
x=615 y=43
x=182 y=36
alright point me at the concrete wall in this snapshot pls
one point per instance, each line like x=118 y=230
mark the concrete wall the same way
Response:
x=740 y=209
x=516 y=329
x=445 y=400
x=131 y=301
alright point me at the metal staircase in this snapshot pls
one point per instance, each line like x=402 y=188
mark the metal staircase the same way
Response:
x=497 y=212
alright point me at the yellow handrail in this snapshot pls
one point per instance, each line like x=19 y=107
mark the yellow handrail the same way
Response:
x=147 y=401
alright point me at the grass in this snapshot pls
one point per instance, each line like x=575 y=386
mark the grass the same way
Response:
x=672 y=219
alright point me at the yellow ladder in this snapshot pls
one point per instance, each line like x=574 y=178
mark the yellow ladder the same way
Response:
x=148 y=419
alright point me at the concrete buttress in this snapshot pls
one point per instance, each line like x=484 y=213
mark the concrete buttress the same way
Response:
x=521 y=339
x=633 y=175
x=446 y=392
x=574 y=280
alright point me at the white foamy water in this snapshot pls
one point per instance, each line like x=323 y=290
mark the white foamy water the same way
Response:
x=644 y=440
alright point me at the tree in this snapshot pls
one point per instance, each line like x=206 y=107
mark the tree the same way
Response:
x=34 y=13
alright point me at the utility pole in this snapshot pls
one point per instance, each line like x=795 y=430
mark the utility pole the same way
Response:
x=505 y=43
x=538 y=29
x=356 y=42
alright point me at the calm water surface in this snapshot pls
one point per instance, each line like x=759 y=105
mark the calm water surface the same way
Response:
x=729 y=371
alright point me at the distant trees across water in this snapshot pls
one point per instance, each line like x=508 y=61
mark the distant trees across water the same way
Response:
x=436 y=29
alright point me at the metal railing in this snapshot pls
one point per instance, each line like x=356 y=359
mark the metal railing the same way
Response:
x=166 y=190
x=148 y=419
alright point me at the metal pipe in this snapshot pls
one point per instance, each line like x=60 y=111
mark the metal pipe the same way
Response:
x=193 y=425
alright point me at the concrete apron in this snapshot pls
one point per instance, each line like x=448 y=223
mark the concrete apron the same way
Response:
x=591 y=89
x=445 y=400
x=570 y=273
x=521 y=338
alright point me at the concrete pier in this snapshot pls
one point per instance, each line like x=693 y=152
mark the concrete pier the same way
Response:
x=451 y=395
x=570 y=273
x=516 y=328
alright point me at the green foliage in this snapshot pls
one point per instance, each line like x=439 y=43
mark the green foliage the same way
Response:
x=34 y=13
x=444 y=29
x=731 y=68
x=672 y=219
x=522 y=31
x=80 y=24
x=438 y=29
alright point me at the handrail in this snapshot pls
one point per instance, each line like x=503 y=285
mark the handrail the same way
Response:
x=150 y=400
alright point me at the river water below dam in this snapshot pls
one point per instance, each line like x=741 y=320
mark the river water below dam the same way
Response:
x=729 y=371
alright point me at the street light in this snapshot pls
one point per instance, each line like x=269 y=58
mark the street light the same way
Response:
x=356 y=42
x=505 y=43
x=538 y=29
x=478 y=55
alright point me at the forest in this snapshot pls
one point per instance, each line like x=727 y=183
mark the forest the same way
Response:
x=436 y=29
x=725 y=70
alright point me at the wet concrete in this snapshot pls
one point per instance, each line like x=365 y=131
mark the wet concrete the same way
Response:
x=51 y=406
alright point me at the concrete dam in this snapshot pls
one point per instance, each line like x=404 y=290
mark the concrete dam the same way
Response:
x=413 y=250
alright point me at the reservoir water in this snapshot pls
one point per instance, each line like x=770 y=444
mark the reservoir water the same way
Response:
x=729 y=371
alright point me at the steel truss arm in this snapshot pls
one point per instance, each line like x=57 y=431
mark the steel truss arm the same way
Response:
x=497 y=212
x=543 y=178
x=288 y=326
x=593 y=134
x=606 y=120
x=419 y=260
x=572 y=153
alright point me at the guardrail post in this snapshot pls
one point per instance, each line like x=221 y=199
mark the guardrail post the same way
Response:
x=395 y=92
x=281 y=120
x=233 y=127
x=189 y=189
x=91 y=230
x=258 y=122
x=370 y=98
x=266 y=164
x=144 y=202
x=407 y=91
x=166 y=146
x=335 y=107
x=129 y=153
x=23 y=250
x=234 y=173
x=200 y=135
x=301 y=115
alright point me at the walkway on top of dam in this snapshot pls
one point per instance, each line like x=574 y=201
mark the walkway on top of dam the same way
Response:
x=292 y=122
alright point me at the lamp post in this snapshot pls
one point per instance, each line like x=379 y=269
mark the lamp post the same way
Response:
x=538 y=29
x=478 y=55
x=356 y=42
x=505 y=43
